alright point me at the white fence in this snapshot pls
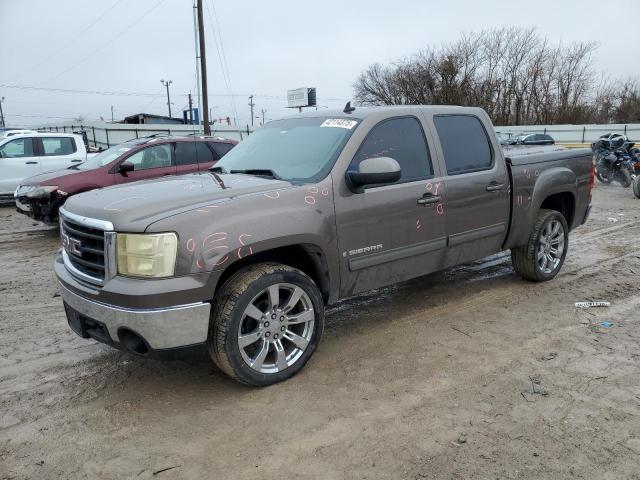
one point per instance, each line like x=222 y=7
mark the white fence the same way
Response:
x=576 y=133
x=104 y=135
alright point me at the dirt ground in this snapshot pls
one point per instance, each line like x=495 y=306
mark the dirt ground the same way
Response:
x=469 y=373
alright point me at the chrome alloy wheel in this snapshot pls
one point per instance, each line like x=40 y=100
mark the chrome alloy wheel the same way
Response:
x=550 y=247
x=276 y=328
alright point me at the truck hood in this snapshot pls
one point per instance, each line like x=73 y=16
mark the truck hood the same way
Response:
x=136 y=205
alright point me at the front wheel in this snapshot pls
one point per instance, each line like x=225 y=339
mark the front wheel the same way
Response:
x=266 y=322
x=543 y=255
x=636 y=186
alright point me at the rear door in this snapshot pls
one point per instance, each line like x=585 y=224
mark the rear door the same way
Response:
x=476 y=188
x=150 y=162
x=18 y=160
x=58 y=153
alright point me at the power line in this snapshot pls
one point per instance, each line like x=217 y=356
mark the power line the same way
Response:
x=118 y=35
x=73 y=39
x=145 y=94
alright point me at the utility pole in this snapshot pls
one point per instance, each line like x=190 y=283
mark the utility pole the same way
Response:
x=251 y=105
x=263 y=111
x=190 y=109
x=1 y=113
x=111 y=113
x=203 y=71
x=166 y=84
x=195 y=35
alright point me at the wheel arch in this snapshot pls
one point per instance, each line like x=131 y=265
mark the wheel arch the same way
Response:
x=306 y=257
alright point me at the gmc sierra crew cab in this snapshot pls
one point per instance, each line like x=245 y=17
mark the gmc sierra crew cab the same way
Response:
x=242 y=259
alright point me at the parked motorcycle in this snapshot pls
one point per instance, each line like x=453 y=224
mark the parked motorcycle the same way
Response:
x=613 y=160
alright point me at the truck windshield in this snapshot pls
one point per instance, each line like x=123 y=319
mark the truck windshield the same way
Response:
x=104 y=158
x=297 y=149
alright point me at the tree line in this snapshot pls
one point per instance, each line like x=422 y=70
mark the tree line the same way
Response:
x=515 y=74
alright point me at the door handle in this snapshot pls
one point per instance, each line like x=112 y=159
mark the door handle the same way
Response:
x=494 y=187
x=31 y=163
x=428 y=199
x=76 y=160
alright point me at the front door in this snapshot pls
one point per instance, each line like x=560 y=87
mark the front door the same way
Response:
x=18 y=161
x=476 y=193
x=151 y=162
x=392 y=232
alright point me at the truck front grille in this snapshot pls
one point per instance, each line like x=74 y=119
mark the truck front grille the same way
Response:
x=84 y=249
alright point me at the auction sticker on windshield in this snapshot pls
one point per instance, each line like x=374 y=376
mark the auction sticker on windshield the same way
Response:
x=339 y=123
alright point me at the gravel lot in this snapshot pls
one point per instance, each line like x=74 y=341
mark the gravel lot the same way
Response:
x=469 y=373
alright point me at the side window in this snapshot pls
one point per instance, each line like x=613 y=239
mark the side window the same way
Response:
x=158 y=156
x=186 y=153
x=20 y=147
x=58 y=146
x=221 y=149
x=401 y=139
x=464 y=143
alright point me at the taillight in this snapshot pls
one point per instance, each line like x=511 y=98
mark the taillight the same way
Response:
x=592 y=176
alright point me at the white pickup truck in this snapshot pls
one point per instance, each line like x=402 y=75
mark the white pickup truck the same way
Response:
x=28 y=154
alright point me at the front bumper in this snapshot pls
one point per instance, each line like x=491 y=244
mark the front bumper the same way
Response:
x=44 y=209
x=161 y=330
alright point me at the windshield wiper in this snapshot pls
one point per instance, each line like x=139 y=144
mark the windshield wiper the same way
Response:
x=258 y=172
x=218 y=169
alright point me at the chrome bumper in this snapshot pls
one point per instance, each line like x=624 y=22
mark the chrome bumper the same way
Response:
x=162 y=328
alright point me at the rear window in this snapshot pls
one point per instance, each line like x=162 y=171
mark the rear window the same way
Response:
x=465 y=143
x=58 y=146
x=221 y=149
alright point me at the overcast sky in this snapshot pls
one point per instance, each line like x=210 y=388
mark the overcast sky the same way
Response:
x=270 y=46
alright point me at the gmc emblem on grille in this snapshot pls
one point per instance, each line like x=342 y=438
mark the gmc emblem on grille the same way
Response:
x=71 y=245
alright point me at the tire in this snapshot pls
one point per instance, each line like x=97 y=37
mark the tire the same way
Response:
x=601 y=178
x=624 y=178
x=525 y=258
x=243 y=308
x=636 y=186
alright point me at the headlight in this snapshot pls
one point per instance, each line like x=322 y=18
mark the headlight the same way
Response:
x=39 y=191
x=147 y=255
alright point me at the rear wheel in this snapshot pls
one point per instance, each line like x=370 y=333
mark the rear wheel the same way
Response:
x=636 y=186
x=543 y=255
x=624 y=177
x=266 y=322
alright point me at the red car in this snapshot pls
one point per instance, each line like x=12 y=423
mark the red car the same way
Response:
x=41 y=196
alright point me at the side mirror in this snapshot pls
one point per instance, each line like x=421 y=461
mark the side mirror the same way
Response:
x=373 y=171
x=125 y=167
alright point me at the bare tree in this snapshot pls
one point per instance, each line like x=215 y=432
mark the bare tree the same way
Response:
x=513 y=73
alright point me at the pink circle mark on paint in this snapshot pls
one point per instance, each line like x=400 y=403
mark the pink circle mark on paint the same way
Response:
x=272 y=195
x=221 y=236
x=191 y=245
x=240 y=238
x=440 y=209
x=239 y=252
x=309 y=200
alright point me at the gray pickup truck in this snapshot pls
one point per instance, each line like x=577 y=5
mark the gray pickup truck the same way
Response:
x=241 y=260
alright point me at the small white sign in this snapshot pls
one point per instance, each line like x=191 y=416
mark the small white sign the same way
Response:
x=592 y=304
x=339 y=123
